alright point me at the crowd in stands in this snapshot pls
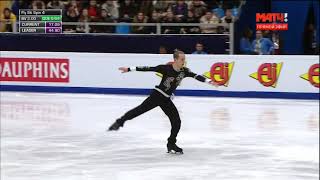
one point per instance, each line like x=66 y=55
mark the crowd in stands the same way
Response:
x=154 y=11
x=133 y=11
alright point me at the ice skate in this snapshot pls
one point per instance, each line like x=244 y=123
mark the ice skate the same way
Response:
x=174 y=149
x=115 y=126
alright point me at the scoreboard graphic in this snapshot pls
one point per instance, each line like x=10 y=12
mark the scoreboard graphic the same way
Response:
x=46 y=21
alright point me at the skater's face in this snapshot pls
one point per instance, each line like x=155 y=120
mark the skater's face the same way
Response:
x=180 y=60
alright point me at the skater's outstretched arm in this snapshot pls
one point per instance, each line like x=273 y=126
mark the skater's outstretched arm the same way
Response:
x=159 y=68
x=200 y=78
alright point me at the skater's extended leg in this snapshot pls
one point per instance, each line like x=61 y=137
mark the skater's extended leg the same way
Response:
x=148 y=104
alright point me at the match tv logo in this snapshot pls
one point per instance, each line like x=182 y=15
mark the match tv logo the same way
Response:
x=312 y=75
x=272 y=21
x=220 y=73
x=268 y=74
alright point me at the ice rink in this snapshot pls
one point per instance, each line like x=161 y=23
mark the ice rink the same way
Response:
x=63 y=137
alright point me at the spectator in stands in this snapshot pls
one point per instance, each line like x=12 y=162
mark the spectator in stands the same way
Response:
x=169 y=18
x=245 y=42
x=180 y=10
x=163 y=50
x=209 y=18
x=112 y=8
x=106 y=18
x=93 y=9
x=127 y=9
x=191 y=29
x=199 y=49
x=198 y=8
x=7 y=21
x=140 y=18
x=228 y=18
x=262 y=46
x=38 y=4
x=161 y=6
x=72 y=15
x=75 y=4
x=146 y=7
x=155 y=18
x=55 y=4
x=84 y=18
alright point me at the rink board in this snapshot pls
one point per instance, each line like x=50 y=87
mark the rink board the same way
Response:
x=294 y=77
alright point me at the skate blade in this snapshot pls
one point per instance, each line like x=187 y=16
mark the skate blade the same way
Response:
x=174 y=152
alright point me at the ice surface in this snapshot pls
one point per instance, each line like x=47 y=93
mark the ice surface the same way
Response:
x=63 y=137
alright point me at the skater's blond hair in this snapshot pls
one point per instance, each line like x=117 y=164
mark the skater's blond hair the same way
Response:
x=176 y=53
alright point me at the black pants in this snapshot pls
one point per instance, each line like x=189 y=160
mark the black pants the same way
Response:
x=157 y=99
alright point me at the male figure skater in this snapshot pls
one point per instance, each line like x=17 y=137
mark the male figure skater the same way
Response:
x=160 y=96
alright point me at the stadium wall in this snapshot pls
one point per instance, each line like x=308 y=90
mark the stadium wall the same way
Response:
x=214 y=44
x=294 y=77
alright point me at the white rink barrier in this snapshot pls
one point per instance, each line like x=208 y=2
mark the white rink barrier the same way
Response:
x=282 y=76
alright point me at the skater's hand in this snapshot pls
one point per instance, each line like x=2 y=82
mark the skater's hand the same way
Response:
x=123 y=69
